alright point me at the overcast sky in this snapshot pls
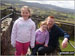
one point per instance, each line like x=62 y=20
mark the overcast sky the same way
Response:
x=65 y=4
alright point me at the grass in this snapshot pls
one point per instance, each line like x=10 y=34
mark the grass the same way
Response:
x=66 y=21
x=69 y=47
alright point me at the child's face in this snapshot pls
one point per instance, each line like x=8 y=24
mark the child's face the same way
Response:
x=25 y=13
x=44 y=27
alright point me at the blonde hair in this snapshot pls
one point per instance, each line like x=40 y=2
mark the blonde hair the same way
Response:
x=43 y=23
x=25 y=7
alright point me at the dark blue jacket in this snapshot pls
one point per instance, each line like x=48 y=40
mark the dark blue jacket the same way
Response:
x=54 y=35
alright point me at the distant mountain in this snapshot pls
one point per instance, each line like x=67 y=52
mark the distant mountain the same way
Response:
x=41 y=6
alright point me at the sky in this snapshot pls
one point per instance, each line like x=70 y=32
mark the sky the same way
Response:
x=61 y=3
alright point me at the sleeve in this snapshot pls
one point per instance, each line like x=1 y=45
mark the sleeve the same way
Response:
x=36 y=33
x=32 y=41
x=47 y=39
x=13 y=35
x=63 y=33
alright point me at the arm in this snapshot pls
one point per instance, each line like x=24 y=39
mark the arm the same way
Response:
x=36 y=34
x=65 y=41
x=47 y=40
x=32 y=42
x=66 y=37
x=63 y=33
x=13 y=35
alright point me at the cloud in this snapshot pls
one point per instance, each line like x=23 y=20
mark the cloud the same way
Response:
x=64 y=4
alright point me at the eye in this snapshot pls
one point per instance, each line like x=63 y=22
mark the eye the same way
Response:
x=26 y=12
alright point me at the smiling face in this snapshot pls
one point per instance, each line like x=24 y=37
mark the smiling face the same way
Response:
x=25 y=13
x=50 y=22
x=44 y=27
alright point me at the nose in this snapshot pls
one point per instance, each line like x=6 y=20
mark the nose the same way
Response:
x=49 y=22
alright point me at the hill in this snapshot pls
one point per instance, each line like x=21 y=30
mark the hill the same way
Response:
x=38 y=5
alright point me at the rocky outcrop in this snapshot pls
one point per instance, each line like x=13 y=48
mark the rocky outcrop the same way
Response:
x=5 y=37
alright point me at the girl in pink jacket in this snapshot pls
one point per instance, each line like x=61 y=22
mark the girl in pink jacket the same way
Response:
x=23 y=32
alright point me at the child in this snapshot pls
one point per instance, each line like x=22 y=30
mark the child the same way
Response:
x=42 y=37
x=23 y=32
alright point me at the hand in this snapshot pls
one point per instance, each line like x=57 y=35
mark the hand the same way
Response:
x=46 y=45
x=13 y=44
x=65 y=43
